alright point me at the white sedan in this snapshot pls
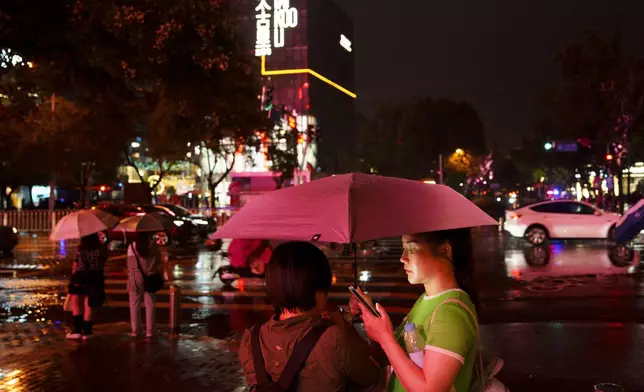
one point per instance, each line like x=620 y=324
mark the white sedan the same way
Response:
x=559 y=219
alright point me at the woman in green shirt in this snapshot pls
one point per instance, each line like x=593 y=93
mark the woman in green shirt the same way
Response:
x=445 y=315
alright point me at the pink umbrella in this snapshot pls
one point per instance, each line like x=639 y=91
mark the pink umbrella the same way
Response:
x=353 y=208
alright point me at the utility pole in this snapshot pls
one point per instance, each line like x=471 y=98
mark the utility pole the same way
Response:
x=52 y=180
x=440 y=168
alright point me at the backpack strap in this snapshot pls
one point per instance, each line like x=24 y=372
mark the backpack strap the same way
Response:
x=258 y=358
x=138 y=261
x=300 y=353
x=480 y=383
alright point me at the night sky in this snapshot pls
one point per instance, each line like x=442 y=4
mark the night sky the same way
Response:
x=498 y=55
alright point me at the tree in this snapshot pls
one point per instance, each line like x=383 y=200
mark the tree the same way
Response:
x=601 y=95
x=405 y=139
x=64 y=135
x=282 y=152
x=142 y=68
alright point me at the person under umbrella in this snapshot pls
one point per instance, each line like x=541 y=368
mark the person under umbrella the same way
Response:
x=143 y=259
x=87 y=284
x=444 y=315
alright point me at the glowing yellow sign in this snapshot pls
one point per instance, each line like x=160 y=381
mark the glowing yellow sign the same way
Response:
x=304 y=71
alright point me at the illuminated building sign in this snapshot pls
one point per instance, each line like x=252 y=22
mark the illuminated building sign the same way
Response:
x=309 y=71
x=345 y=42
x=284 y=17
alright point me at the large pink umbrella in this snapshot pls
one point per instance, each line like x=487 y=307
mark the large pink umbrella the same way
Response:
x=353 y=208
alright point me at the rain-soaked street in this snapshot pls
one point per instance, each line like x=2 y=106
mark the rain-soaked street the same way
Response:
x=562 y=317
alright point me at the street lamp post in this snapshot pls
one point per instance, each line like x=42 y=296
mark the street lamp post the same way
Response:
x=441 y=177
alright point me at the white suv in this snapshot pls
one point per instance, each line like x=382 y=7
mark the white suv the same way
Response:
x=559 y=219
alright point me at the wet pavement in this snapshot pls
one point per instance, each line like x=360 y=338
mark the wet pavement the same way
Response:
x=578 y=300
x=538 y=357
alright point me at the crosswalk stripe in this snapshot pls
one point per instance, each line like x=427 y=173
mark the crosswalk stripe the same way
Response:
x=256 y=307
x=181 y=281
x=216 y=293
x=372 y=274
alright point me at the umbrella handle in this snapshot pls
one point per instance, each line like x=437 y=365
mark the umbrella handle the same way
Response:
x=354 y=247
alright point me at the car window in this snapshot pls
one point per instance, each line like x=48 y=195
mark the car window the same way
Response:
x=122 y=211
x=180 y=211
x=582 y=209
x=161 y=210
x=557 y=208
x=546 y=208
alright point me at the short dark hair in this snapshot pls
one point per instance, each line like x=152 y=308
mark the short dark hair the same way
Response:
x=296 y=271
x=90 y=242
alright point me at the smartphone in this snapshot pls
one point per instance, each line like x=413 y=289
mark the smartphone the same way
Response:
x=363 y=301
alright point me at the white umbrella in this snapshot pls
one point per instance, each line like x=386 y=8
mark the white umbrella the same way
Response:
x=109 y=219
x=81 y=223
x=142 y=223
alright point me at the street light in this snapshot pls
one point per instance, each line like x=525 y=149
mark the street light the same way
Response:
x=459 y=151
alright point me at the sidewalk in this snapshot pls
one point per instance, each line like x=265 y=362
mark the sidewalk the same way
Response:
x=538 y=357
x=38 y=358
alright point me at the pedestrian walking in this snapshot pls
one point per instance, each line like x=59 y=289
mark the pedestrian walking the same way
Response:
x=87 y=285
x=143 y=258
x=444 y=316
x=307 y=345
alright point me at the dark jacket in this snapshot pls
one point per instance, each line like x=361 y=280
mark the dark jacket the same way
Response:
x=340 y=360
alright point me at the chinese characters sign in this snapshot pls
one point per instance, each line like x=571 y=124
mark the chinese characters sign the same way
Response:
x=284 y=16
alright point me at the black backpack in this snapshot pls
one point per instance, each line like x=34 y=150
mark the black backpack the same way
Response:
x=293 y=366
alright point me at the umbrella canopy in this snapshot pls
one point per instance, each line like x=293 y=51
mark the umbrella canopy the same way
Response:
x=81 y=223
x=109 y=219
x=143 y=223
x=353 y=208
x=630 y=224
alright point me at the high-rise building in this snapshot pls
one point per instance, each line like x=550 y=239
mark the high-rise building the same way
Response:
x=306 y=57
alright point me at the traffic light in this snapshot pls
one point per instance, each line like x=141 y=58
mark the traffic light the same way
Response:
x=609 y=157
x=268 y=99
x=292 y=122
x=548 y=146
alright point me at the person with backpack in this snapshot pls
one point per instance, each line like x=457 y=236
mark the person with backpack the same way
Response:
x=306 y=345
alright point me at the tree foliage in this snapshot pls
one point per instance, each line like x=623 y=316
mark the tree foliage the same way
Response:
x=406 y=139
x=601 y=94
x=141 y=68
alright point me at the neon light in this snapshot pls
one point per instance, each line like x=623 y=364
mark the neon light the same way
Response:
x=285 y=17
x=345 y=43
x=263 y=38
x=303 y=71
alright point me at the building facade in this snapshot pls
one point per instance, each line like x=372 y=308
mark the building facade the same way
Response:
x=306 y=58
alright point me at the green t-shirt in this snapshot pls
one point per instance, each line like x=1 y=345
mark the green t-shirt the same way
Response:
x=453 y=333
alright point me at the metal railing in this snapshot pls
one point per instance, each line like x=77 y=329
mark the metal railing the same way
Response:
x=31 y=220
x=42 y=220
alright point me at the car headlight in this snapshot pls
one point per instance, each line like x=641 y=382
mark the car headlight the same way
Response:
x=200 y=222
x=179 y=223
x=15 y=231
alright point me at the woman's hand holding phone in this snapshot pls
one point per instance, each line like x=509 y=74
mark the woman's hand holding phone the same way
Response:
x=354 y=302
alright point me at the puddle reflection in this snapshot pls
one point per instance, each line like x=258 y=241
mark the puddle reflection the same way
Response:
x=558 y=259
